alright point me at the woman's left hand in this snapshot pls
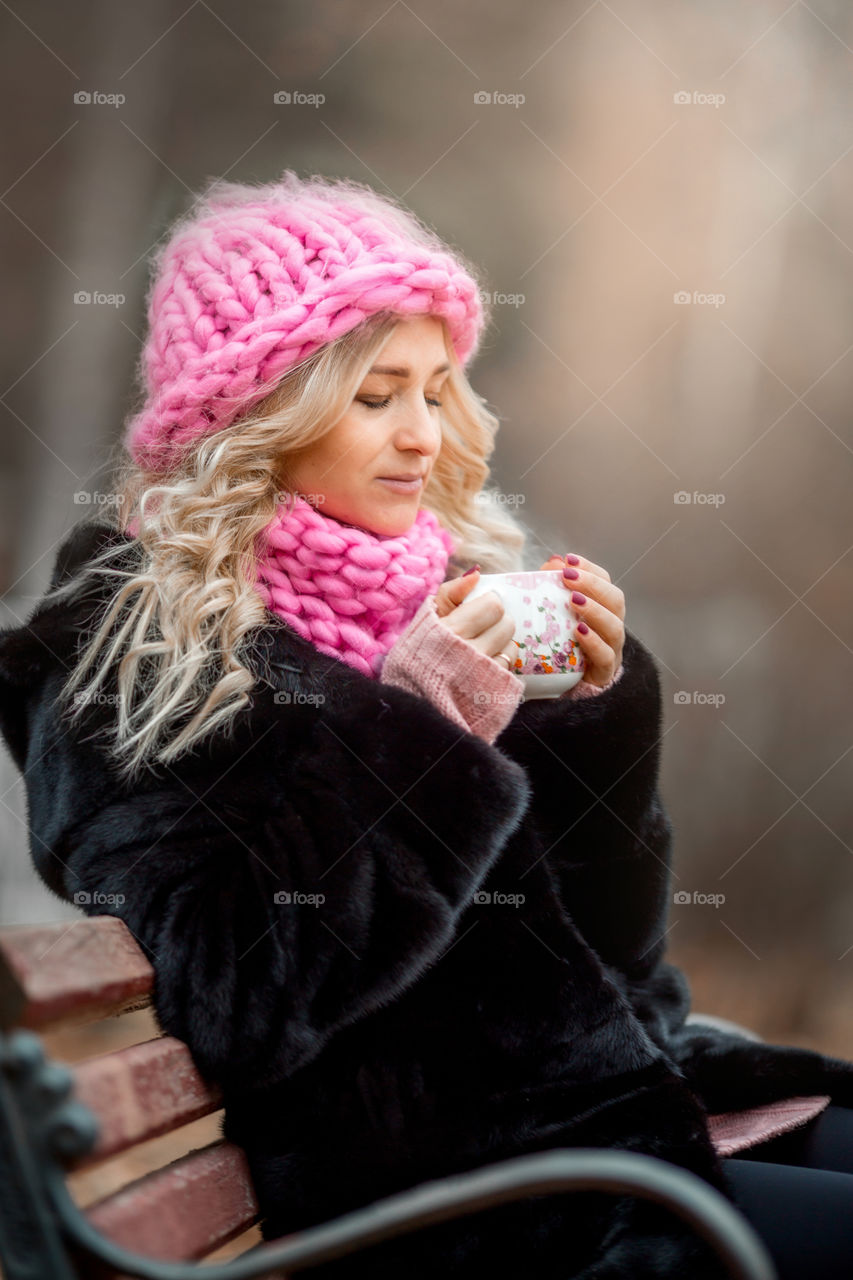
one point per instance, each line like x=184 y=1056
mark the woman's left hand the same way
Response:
x=604 y=614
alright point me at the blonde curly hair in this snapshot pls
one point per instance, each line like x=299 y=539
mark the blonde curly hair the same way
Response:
x=184 y=614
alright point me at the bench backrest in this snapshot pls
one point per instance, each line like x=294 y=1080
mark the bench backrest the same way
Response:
x=57 y=975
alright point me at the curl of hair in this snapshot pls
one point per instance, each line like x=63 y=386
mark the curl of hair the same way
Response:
x=175 y=630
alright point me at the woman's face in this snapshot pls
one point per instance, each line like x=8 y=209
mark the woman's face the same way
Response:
x=391 y=429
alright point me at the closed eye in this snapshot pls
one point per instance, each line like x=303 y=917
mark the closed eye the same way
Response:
x=381 y=404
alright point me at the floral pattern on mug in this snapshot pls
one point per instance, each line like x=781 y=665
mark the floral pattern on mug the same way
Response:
x=542 y=646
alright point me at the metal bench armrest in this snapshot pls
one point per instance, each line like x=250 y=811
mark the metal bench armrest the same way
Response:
x=44 y=1127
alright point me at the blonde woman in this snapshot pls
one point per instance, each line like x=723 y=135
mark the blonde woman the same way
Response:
x=411 y=923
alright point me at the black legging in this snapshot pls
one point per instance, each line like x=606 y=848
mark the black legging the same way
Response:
x=797 y=1192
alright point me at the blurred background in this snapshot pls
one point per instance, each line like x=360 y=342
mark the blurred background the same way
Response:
x=660 y=197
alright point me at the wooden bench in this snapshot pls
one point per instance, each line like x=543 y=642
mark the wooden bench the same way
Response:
x=58 y=1119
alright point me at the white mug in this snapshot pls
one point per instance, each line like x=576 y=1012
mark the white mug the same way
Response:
x=544 y=650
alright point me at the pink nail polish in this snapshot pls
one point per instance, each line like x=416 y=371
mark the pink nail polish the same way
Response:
x=583 y=628
x=571 y=573
x=577 y=598
x=572 y=560
x=473 y=569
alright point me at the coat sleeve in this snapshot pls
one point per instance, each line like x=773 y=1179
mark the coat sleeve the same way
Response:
x=286 y=885
x=594 y=765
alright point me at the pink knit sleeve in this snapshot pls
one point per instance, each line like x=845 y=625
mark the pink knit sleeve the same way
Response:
x=734 y=1130
x=466 y=685
x=584 y=689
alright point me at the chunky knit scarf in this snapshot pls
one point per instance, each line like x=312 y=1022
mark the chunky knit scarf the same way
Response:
x=348 y=591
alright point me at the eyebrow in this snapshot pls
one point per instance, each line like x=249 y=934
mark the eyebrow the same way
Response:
x=403 y=371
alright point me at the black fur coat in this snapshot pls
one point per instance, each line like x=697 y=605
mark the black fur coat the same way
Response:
x=403 y=952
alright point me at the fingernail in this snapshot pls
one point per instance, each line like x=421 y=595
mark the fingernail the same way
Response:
x=473 y=569
x=583 y=628
x=572 y=560
x=571 y=573
x=577 y=598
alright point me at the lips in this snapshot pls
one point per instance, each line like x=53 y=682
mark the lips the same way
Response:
x=398 y=485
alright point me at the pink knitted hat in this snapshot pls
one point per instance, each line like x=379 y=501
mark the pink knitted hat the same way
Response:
x=254 y=279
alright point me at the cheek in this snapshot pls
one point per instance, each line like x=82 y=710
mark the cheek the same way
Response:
x=356 y=442
x=346 y=456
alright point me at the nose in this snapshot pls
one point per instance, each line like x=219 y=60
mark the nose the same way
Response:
x=418 y=428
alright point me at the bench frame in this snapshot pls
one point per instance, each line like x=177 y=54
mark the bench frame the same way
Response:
x=45 y=1128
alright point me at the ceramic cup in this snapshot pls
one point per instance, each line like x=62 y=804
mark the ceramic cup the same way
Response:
x=545 y=652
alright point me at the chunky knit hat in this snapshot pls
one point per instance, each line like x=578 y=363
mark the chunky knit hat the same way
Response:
x=254 y=279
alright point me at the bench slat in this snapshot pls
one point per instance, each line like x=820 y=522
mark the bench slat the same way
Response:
x=184 y=1210
x=141 y=1092
x=54 y=975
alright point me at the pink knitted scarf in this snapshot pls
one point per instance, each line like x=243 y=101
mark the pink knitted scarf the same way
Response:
x=348 y=591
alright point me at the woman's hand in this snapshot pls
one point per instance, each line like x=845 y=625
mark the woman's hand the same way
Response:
x=484 y=622
x=603 y=613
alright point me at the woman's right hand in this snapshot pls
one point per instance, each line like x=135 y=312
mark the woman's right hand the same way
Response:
x=483 y=622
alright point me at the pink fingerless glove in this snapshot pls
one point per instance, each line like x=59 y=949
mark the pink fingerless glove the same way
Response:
x=583 y=688
x=466 y=685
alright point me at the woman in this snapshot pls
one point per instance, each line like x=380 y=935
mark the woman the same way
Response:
x=261 y=722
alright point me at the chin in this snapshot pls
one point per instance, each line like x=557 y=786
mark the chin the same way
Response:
x=398 y=517
x=393 y=523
